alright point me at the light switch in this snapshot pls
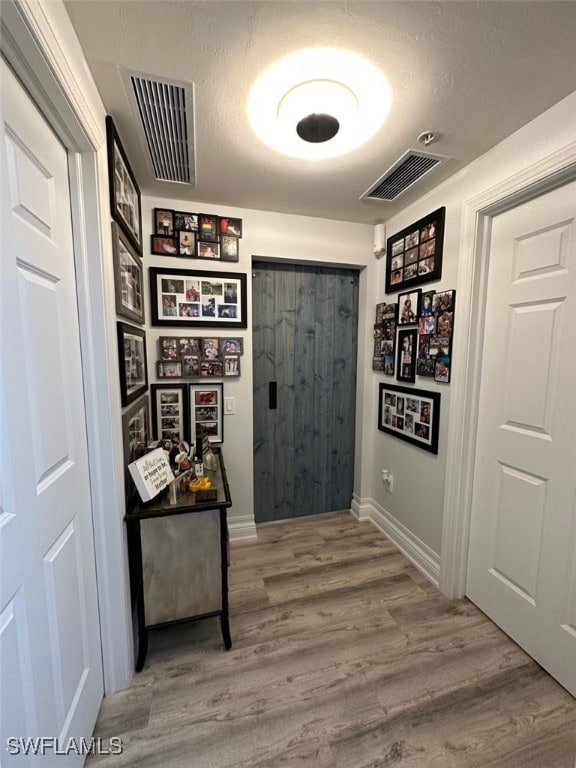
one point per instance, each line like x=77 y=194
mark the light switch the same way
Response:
x=229 y=405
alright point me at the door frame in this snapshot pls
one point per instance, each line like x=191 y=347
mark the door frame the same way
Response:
x=477 y=213
x=38 y=43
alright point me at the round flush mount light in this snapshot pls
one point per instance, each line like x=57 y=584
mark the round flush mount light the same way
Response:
x=318 y=103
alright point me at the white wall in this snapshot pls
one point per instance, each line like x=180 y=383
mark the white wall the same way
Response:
x=285 y=238
x=418 y=497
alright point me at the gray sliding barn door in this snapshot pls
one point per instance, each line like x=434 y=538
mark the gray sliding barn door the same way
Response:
x=305 y=322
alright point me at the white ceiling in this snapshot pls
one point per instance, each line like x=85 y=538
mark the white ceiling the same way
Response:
x=472 y=71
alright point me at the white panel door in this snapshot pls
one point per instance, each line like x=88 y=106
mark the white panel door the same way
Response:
x=522 y=557
x=51 y=667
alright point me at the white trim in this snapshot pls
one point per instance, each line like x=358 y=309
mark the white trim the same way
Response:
x=242 y=527
x=40 y=44
x=413 y=548
x=539 y=178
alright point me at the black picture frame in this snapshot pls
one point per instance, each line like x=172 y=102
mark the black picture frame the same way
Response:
x=185 y=221
x=128 y=277
x=206 y=408
x=229 y=248
x=132 y=362
x=136 y=435
x=170 y=412
x=197 y=298
x=435 y=334
x=406 y=355
x=125 y=205
x=230 y=226
x=414 y=255
x=164 y=222
x=163 y=245
x=412 y=415
x=208 y=227
x=409 y=307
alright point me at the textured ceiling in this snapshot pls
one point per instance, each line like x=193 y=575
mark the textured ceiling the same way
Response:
x=472 y=71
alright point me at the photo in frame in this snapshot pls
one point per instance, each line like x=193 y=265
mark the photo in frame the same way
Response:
x=128 y=277
x=169 y=348
x=162 y=245
x=164 y=222
x=384 y=358
x=132 y=362
x=414 y=255
x=234 y=346
x=191 y=298
x=410 y=414
x=124 y=191
x=171 y=370
x=435 y=332
x=185 y=221
x=230 y=226
x=408 y=307
x=231 y=365
x=136 y=436
x=206 y=412
x=207 y=250
x=229 y=248
x=170 y=418
x=407 y=350
x=208 y=227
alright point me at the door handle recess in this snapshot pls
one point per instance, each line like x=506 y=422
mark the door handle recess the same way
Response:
x=272 y=395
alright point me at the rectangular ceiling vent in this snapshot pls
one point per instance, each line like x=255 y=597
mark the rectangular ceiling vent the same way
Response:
x=165 y=112
x=405 y=172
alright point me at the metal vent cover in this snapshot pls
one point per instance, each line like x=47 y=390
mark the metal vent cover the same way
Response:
x=164 y=110
x=405 y=172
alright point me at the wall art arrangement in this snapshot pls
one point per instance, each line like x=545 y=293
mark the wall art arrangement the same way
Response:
x=136 y=436
x=170 y=417
x=206 y=402
x=195 y=235
x=422 y=350
x=190 y=357
x=410 y=414
x=132 y=362
x=128 y=277
x=414 y=255
x=385 y=338
x=124 y=191
x=190 y=298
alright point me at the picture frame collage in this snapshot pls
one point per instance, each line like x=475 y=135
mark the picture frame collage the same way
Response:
x=199 y=357
x=195 y=235
x=421 y=332
x=187 y=412
x=410 y=414
x=414 y=255
x=197 y=298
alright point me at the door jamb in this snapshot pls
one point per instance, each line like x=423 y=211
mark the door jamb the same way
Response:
x=40 y=60
x=555 y=170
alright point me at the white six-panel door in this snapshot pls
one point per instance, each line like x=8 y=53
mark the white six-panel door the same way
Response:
x=522 y=556
x=51 y=668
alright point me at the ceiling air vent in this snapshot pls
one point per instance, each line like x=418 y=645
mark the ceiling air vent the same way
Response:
x=165 y=109
x=405 y=172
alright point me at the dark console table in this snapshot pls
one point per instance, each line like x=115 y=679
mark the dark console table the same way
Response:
x=178 y=558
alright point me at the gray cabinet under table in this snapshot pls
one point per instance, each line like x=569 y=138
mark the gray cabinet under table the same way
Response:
x=179 y=560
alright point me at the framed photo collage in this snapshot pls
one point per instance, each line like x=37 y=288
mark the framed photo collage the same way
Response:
x=413 y=337
x=195 y=235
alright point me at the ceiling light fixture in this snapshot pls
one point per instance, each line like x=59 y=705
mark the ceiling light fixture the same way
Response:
x=318 y=103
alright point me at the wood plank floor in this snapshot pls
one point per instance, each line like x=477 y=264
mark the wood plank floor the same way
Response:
x=343 y=656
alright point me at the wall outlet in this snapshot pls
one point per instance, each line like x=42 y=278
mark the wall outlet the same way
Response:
x=388 y=480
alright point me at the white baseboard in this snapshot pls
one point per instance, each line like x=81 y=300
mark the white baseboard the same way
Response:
x=413 y=548
x=241 y=527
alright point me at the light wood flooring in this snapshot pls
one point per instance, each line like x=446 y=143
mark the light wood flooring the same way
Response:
x=343 y=656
